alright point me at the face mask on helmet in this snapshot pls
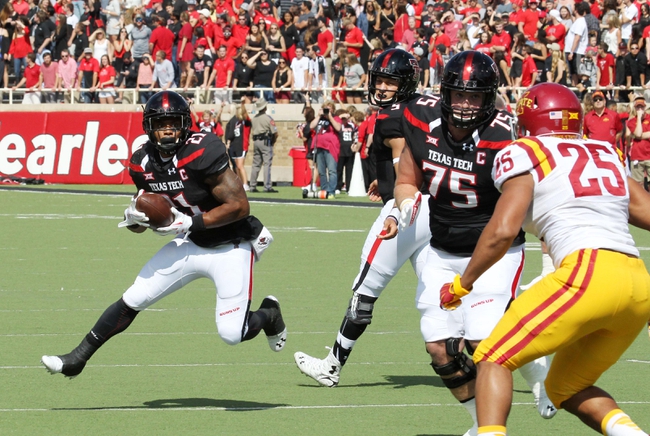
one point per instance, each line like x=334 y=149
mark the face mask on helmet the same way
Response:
x=393 y=68
x=472 y=77
x=167 y=120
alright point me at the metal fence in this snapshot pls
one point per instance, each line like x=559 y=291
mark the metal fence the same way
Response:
x=225 y=95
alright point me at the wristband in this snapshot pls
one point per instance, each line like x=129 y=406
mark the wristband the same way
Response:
x=395 y=160
x=394 y=214
x=198 y=224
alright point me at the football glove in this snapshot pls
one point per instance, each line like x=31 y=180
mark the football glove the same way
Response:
x=409 y=209
x=451 y=293
x=132 y=216
x=181 y=224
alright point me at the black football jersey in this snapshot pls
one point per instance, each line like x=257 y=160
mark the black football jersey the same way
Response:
x=457 y=175
x=181 y=179
x=387 y=126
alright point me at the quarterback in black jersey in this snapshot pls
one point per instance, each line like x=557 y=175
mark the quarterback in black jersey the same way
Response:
x=452 y=140
x=393 y=79
x=216 y=237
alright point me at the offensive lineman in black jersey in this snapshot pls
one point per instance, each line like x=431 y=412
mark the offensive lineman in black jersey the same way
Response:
x=216 y=237
x=452 y=140
x=393 y=79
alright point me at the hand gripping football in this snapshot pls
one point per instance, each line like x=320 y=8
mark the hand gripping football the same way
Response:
x=157 y=208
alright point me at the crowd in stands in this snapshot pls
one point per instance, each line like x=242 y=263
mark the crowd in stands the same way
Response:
x=294 y=49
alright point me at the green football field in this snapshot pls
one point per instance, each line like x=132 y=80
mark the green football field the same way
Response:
x=64 y=261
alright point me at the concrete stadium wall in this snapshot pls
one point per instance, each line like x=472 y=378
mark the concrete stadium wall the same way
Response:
x=286 y=116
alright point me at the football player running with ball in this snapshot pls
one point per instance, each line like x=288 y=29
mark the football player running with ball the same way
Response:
x=452 y=140
x=215 y=235
x=393 y=79
x=574 y=194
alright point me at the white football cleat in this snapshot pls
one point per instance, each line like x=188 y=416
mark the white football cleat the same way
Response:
x=325 y=371
x=545 y=407
x=472 y=431
x=53 y=364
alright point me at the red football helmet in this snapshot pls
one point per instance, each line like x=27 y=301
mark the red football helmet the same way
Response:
x=549 y=108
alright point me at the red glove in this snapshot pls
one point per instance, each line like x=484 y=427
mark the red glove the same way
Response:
x=451 y=293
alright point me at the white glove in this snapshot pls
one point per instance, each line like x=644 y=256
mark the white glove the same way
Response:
x=181 y=224
x=133 y=216
x=409 y=209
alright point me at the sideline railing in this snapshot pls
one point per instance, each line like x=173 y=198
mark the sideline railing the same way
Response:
x=225 y=95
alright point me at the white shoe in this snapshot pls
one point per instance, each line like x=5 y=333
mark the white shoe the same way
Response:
x=545 y=408
x=532 y=282
x=53 y=364
x=535 y=373
x=472 y=431
x=325 y=371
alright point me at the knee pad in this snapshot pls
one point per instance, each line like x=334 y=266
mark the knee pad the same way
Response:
x=460 y=363
x=360 y=309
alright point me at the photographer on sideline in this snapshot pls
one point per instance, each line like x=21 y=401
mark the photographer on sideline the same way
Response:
x=327 y=146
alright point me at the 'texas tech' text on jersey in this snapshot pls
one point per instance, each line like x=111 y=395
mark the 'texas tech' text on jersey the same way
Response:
x=457 y=175
x=181 y=178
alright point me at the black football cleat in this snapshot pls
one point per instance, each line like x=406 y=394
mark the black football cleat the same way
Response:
x=275 y=329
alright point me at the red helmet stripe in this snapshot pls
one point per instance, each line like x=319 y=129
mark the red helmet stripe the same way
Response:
x=467 y=69
x=165 y=100
x=387 y=59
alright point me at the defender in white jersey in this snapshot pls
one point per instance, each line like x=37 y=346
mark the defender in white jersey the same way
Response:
x=575 y=195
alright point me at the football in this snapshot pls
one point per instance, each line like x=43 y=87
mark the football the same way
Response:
x=157 y=208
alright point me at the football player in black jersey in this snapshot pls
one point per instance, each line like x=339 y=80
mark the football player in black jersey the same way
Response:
x=452 y=140
x=393 y=79
x=216 y=237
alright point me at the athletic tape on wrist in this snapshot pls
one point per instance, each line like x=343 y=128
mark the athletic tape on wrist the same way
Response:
x=198 y=224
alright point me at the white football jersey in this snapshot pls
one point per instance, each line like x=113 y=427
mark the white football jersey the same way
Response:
x=580 y=197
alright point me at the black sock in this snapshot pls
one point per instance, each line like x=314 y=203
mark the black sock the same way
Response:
x=115 y=319
x=256 y=321
x=350 y=331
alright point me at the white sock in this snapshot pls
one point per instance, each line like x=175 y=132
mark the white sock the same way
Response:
x=617 y=423
x=547 y=264
x=345 y=342
x=470 y=406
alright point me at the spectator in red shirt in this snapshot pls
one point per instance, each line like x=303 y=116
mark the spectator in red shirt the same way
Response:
x=364 y=139
x=451 y=26
x=88 y=75
x=353 y=37
x=601 y=123
x=20 y=46
x=325 y=41
x=208 y=30
x=556 y=31
x=231 y=43
x=530 y=19
x=472 y=8
x=501 y=41
x=528 y=68
x=106 y=82
x=606 y=64
x=184 y=51
x=638 y=128
x=21 y=7
x=438 y=37
x=48 y=72
x=222 y=76
x=32 y=81
x=485 y=43
x=161 y=38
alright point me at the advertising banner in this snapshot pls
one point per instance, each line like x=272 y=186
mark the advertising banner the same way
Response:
x=70 y=147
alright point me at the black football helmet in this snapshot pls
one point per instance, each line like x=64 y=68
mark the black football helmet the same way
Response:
x=167 y=104
x=395 y=64
x=470 y=71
